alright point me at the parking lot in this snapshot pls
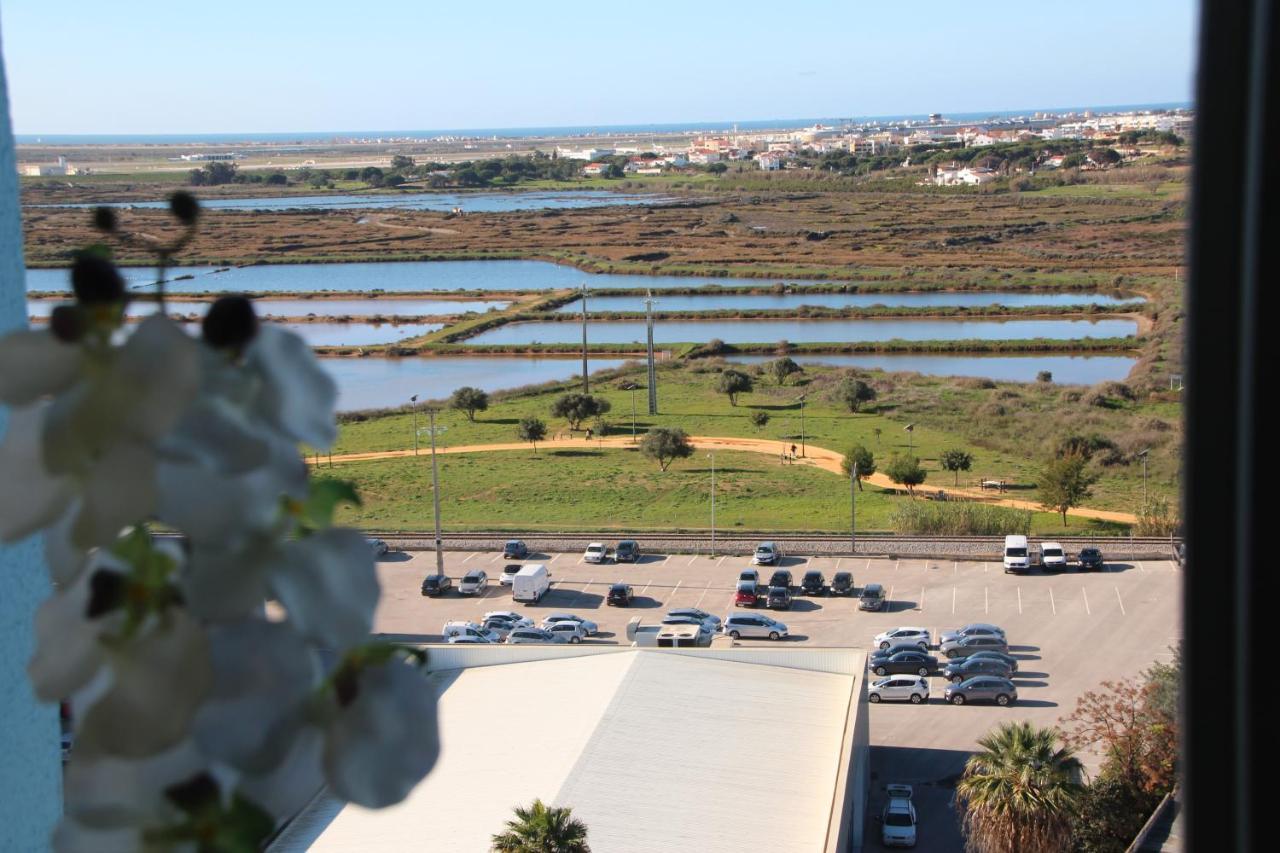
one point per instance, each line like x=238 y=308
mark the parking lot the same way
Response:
x=1070 y=630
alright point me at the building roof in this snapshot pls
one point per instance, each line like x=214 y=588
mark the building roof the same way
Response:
x=655 y=750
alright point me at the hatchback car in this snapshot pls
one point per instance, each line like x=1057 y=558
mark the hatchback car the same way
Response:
x=596 y=553
x=973 y=629
x=628 y=551
x=1007 y=659
x=842 y=583
x=509 y=572
x=473 y=583
x=537 y=636
x=899 y=688
x=745 y=595
x=916 y=662
x=572 y=632
x=903 y=636
x=712 y=622
x=752 y=575
x=436 y=585
x=872 y=597
x=587 y=624
x=753 y=625
x=983 y=688
x=813 y=583
x=517 y=620
x=962 y=670
x=965 y=646
x=379 y=547
x=782 y=577
x=767 y=554
x=778 y=598
x=620 y=595
x=515 y=550
x=1091 y=560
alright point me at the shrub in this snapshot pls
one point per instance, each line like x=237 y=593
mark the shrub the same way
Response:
x=959 y=518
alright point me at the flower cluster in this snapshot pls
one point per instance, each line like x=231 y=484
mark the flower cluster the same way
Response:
x=210 y=626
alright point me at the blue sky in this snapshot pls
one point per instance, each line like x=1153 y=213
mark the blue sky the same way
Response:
x=142 y=66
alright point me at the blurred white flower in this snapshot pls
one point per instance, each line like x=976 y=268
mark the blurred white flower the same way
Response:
x=328 y=585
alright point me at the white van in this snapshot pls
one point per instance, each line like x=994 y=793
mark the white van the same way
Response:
x=530 y=583
x=470 y=631
x=1016 y=556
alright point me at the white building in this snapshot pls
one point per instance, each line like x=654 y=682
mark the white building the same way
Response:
x=770 y=161
x=951 y=176
x=41 y=170
x=587 y=154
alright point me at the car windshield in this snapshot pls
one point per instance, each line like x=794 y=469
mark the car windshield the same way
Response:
x=1053 y=552
x=474 y=577
x=433 y=581
x=1089 y=552
x=897 y=819
x=513 y=544
x=617 y=587
x=1015 y=552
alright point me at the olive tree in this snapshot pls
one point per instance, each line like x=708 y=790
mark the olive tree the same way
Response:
x=956 y=461
x=532 y=430
x=905 y=470
x=733 y=383
x=665 y=445
x=853 y=392
x=1063 y=483
x=469 y=400
x=866 y=463
x=783 y=367
x=576 y=408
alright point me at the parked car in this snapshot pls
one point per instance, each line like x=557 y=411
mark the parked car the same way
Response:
x=524 y=636
x=468 y=629
x=973 y=629
x=509 y=572
x=1008 y=659
x=620 y=595
x=899 y=688
x=842 y=583
x=436 y=585
x=778 y=598
x=814 y=583
x=767 y=554
x=965 y=646
x=461 y=640
x=555 y=618
x=379 y=547
x=596 y=553
x=901 y=636
x=628 y=551
x=753 y=625
x=1091 y=560
x=516 y=619
x=746 y=594
x=884 y=654
x=1052 y=557
x=515 y=550
x=752 y=575
x=982 y=688
x=915 y=662
x=782 y=577
x=712 y=622
x=872 y=597
x=898 y=820
x=499 y=627
x=572 y=632
x=474 y=582
x=963 y=669
x=1017 y=556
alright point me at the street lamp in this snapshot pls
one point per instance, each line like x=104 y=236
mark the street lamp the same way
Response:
x=712 y=456
x=413 y=402
x=1144 y=454
x=435 y=491
x=853 y=508
x=585 y=387
x=802 y=396
x=910 y=430
x=631 y=386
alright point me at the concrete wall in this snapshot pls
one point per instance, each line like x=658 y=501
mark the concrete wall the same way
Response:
x=30 y=765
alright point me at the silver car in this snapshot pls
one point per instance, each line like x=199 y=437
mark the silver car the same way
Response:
x=982 y=688
x=588 y=626
x=899 y=688
x=573 y=632
x=754 y=625
x=712 y=622
x=904 y=636
x=965 y=646
x=537 y=636
x=973 y=629
x=473 y=583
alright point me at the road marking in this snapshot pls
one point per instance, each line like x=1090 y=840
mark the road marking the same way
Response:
x=470 y=556
x=838 y=559
x=1019 y=599
x=955 y=567
x=1051 y=602
x=1121 y=601
x=867 y=568
x=721 y=560
x=986 y=600
x=1086 y=601
x=704 y=594
x=953 y=600
x=889 y=597
x=1140 y=567
x=922 y=599
x=691 y=559
x=646 y=587
x=555 y=557
x=675 y=589
x=664 y=559
x=896 y=564
x=582 y=592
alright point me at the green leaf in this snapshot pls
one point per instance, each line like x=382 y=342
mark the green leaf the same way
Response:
x=318 y=510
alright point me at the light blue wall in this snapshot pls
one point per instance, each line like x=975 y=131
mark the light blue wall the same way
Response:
x=30 y=766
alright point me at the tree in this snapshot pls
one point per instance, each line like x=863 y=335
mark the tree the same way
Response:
x=905 y=470
x=542 y=829
x=1139 y=740
x=1020 y=793
x=665 y=445
x=783 y=367
x=1044 y=376
x=400 y=162
x=853 y=392
x=532 y=430
x=759 y=419
x=1064 y=483
x=957 y=461
x=469 y=400
x=733 y=383
x=576 y=408
x=1112 y=813
x=866 y=463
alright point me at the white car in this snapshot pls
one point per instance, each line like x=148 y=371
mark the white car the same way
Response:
x=1052 y=556
x=537 y=636
x=379 y=547
x=899 y=688
x=753 y=625
x=898 y=821
x=596 y=553
x=473 y=582
x=904 y=637
x=479 y=641
x=587 y=625
x=752 y=575
x=509 y=572
x=569 y=632
x=467 y=629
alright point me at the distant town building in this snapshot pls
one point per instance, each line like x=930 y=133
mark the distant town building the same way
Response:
x=45 y=170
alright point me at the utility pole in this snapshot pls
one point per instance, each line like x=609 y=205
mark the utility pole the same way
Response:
x=853 y=509
x=653 y=373
x=802 y=396
x=712 y=454
x=586 y=389
x=413 y=401
x=1144 y=454
x=435 y=494
x=631 y=386
x=910 y=429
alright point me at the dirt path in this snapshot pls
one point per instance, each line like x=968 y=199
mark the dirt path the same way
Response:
x=818 y=457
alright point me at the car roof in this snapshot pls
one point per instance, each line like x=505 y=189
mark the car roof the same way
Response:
x=1050 y=545
x=872 y=587
x=619 y=585
x=812 y=572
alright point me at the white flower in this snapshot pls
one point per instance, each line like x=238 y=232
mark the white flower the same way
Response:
x=29 y=497
x=298 y=397
x=328 y=585
x=36 y=364
x=385 y=739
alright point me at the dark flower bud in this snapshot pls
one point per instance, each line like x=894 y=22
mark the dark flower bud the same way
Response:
x=104 y=219
x=67 y=323
x=184 y=206
x=95 y=279
x=230 y=322
x=107 y=591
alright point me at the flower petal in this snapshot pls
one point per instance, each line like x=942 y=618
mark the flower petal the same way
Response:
x=223 y=584
x=386 y=740
x=286 y=789
x=159 y=368
x=215 y=432
x=328 y=584
x=69 y=651
x=36 y=363
x=104 y=790
x=298 y=395
x=120 y=490
x=31 y=498
x=64 y=559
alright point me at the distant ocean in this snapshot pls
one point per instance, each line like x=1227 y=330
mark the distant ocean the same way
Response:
x=585 y=131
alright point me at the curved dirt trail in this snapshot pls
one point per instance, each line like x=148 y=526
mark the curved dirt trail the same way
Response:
x=815 y=456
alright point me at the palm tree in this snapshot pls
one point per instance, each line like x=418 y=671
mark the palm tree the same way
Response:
x=539 y=829
x=1020 y=793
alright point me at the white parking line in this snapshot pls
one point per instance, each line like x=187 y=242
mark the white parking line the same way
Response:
x=838 y=559
x=691 y=559
x=953 y=600
x=890 y=596
x=704 y=594
x=896 y=564
x=1019 y=599
x=1140 y=567
x=582 y=592
x=471 y=556
x=664 y=559
x=922 y=599
x=646 y=586
x=1086 y=601
x=721 y=560
x=555 y=557
x=674 y=590
x=1121 y=601
x=955 y=567
x=986 y=600
x=1051 y=602
x=867 y=567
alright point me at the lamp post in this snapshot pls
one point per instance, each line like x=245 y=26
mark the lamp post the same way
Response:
x=435 y=492
x=1144 y=454
x=910 y=430
x=631 y=386
x=853 y=508
x=653 y=373
x=413 y=402
x=585 y=387
x=712 y=456
x=802 y=396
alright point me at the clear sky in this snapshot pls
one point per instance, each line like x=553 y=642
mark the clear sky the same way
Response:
x=178 y=66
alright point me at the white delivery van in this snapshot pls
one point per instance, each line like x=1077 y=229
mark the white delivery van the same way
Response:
x=1016 y=556
x=530 y=583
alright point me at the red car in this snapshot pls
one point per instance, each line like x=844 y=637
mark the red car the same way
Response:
x=746 y=595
